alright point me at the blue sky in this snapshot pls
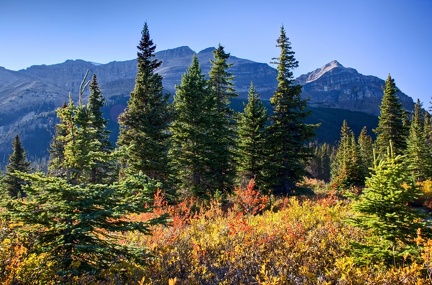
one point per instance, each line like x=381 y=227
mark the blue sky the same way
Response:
x=376 y=37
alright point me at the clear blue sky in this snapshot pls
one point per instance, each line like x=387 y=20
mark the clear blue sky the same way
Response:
x=376 y=37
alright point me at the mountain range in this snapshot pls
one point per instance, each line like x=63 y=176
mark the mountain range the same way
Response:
x=29 y=97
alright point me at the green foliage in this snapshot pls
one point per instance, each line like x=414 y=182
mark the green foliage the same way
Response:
x=12 y=185
x=191 y=137
x=417 y=148
x=384 y=209
x=365 y=144
x=347 y=166
x=82 y=154
x=427 y=132
x=222 y=127
x=78 y=226
x=391 y=121
x=56 y=151
x=70 y=119
x=101 y=171
x=288 y=134
x=144 y=123
x=251 y=140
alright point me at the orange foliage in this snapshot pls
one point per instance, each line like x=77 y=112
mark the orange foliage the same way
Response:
x=249 y=200
x=300 y=241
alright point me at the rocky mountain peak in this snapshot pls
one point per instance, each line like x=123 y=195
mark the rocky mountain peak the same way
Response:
x=207 y=50
x=336 y=86
x=332 y=64
x=317 y=73
x=176 y=52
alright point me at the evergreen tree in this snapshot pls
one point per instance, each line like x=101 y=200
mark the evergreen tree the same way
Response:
x=56 y=150
x=427 y=127
x=80 y=227
x=251 y=140
x=391 y=121
x=288 y=134
x=191 y=137
x=12 y=184
x=346 y=168
x=83 y=154
x=100 y=171
x=427 y=132
x=222 y=123
x=95 y=103
x=144 y=123
x=64 y=131
x=365 y=144
x=384 y=208
x=220 y=82
x=80 y=149
x=417 y=153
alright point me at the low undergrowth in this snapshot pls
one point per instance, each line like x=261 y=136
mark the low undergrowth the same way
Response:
x=249 y=238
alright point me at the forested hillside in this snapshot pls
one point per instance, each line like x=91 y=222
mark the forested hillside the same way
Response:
x=209 y=189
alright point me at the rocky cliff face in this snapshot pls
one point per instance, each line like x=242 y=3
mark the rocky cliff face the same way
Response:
x=335 y=86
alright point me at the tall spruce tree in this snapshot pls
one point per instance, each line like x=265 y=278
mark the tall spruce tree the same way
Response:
x=144 y=123
x=95 y=103
x=222 y=122
x=101 y=171
x=391 y=125
x=191 y=136
x=288 y=134
x=417 y=152
x=251 y=140
x=12 y=184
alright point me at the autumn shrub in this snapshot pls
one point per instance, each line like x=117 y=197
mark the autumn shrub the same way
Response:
x=11 y=252
x=298 y=241
x=249 y=200
x=304 y=241
x=426 y=198
x=298 y=244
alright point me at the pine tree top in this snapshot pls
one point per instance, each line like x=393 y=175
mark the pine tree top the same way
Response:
x=17 y=160
x=286 y=61
x=146 y=51
x=391 y=120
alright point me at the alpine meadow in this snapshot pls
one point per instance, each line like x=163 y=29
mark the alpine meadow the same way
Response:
x=197 y=189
